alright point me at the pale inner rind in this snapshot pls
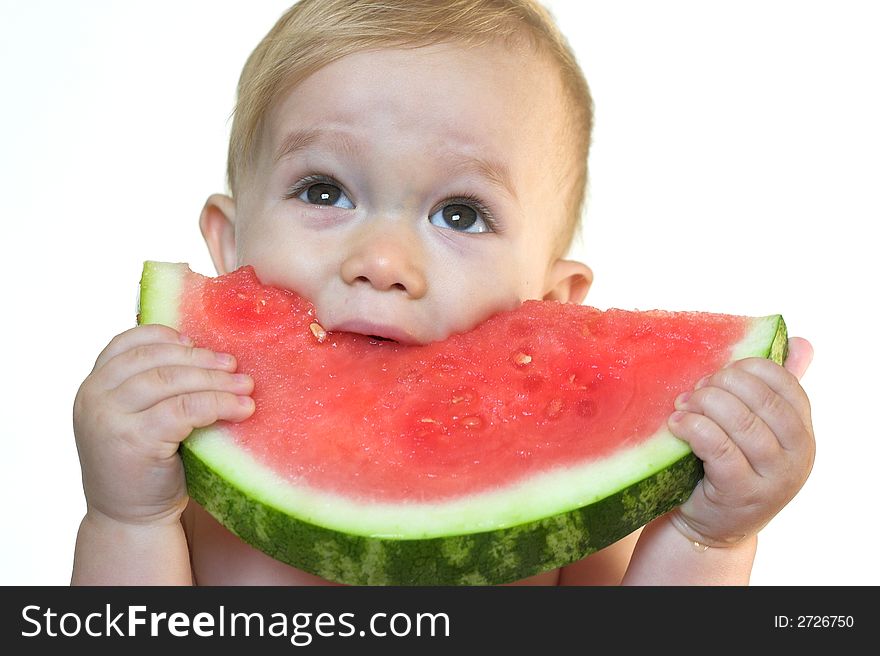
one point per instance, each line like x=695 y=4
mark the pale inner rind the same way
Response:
x=757 y=341
x=160 y=291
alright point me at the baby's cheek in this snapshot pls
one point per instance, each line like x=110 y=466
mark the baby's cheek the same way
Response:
x=463 y=312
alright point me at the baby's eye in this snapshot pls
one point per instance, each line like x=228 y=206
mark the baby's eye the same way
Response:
x=461 y=217
x=324 y=193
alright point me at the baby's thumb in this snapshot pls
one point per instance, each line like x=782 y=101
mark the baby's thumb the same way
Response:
x=800 y=355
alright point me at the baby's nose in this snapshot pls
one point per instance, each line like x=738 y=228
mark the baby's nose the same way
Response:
x=386 y=265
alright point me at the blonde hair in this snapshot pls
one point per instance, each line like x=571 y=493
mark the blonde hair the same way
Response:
x=314 y=33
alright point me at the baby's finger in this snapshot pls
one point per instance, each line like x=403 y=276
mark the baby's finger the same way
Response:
x=779 y=415
x=150 y=356
x=781 y=381
x=723 y=462
x=746 y=429
x=800 y=355
x=173 y=419
x=148 y=388
x=139 y=336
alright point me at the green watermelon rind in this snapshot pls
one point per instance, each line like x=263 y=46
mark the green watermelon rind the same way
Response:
x=406 y=544
x=482 y=558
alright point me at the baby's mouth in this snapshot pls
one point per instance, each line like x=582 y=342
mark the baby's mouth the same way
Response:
x=374 y=331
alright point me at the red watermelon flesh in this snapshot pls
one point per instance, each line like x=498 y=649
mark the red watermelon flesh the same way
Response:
x=532 y=389
x=524 y=444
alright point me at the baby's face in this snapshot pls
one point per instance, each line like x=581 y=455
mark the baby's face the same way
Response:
x=410 y=194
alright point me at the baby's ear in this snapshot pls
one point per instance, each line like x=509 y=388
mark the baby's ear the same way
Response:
x=568 y=281
x=217 y=223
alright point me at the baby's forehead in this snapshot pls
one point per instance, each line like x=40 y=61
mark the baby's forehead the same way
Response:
x=447 y=97
x=498 y=59
x=450 y=85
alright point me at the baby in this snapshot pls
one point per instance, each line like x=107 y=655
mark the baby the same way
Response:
x=411 y=167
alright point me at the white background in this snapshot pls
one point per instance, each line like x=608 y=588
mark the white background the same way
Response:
x=735 y=169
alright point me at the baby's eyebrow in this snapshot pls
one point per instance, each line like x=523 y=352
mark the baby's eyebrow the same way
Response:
x=496 y=173
x=300 y=139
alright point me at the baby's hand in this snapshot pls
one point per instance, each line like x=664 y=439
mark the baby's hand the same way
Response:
x=148 y=390
x=750 y=425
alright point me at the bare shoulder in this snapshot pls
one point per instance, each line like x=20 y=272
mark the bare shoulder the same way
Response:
x=605 y=567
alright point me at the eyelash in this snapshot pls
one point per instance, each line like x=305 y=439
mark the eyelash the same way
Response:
x=464 y=199
x=473 y=201
x=317 y=178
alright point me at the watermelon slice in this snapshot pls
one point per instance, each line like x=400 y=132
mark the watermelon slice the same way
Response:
x=523 y=445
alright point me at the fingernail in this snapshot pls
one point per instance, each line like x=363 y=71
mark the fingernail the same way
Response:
x=702 y=382
x=676 y=417
x=246 y=402
x=681 y=399
x=224 y=359
x=243 y=382
x=186 y=340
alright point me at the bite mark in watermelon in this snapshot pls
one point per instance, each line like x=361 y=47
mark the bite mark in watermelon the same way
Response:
x=523 y=445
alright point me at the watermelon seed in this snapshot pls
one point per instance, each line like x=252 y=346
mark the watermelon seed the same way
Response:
x=554 y=408
x=318 y=331
x=472 y=422
x=463 y=395
x=522 y=359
